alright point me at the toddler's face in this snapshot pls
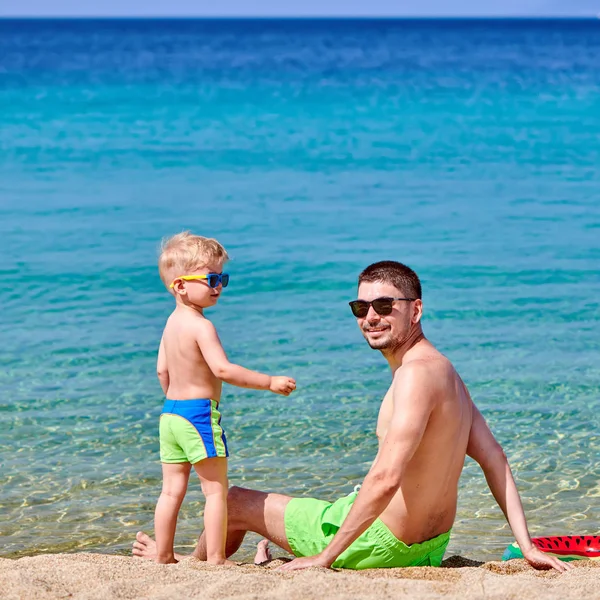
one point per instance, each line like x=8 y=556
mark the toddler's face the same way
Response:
x=197 y=291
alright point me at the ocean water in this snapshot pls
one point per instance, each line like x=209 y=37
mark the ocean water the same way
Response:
x=467 y=149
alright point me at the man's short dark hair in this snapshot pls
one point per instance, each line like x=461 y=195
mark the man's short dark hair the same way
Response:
x=389 y=271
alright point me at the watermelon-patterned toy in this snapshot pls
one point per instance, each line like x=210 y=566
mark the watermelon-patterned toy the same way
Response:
x=565 y=547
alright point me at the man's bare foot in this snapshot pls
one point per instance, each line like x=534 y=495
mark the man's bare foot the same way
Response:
x=263 y=552
x=145 y=547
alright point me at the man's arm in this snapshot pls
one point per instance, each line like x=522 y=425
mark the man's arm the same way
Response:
x=413 y=400
x=484 y=449
x=161 y=367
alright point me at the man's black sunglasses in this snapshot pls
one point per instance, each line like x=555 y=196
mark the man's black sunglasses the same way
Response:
x=382 y=306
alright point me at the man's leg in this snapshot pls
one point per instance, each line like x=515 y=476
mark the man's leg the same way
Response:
x=247 y=510
x=251 y=510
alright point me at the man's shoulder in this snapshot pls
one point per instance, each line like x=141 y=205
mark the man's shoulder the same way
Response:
x=415 y=367
x=415 y=376
x=427 y=375
x=425 y=364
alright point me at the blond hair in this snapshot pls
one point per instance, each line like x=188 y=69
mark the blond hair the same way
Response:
x=185 y=252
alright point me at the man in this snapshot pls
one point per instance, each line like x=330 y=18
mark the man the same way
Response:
x=427 y=424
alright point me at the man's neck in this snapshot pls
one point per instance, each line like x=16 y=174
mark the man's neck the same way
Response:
x=397 y=356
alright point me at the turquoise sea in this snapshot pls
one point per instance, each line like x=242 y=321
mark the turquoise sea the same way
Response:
x=467 y=149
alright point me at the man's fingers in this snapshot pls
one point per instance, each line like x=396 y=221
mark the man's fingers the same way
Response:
x=565 y=566
x=559 y=565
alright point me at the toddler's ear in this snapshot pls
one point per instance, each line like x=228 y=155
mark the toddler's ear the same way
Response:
x=179 y=288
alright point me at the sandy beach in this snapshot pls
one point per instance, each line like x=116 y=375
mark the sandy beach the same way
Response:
x=105 y=576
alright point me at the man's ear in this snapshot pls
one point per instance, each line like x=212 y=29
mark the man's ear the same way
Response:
x=417 y=311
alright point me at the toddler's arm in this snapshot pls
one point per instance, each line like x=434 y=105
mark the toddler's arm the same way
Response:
x=161 y=367
x=217 y=361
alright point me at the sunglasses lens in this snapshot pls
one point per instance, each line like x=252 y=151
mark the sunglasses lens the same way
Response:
x=213 y=280
x=360 y=308
x=225 y=279
x=383 y=306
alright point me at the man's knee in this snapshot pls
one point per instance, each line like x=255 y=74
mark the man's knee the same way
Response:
x=244 y=506
x=235 y=503
x=235 y=495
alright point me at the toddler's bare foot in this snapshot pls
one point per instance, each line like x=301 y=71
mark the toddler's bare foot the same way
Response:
x=263 y=552
x=223 y=562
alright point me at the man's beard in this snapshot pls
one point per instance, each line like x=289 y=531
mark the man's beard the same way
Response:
x=387 y=344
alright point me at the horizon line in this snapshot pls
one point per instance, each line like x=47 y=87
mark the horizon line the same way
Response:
x=590 y=17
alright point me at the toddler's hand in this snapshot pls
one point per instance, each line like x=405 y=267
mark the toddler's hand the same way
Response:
x=282 y=385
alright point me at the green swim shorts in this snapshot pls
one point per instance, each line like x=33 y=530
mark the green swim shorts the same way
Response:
x=190 y=431
x=310 y=525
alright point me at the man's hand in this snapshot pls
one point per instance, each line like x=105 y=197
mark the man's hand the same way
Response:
x=305 y=562
x=282 y=385
x=540 y=560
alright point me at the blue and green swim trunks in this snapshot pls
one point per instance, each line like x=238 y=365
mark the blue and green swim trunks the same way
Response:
x=190 y=431
x=311 y=524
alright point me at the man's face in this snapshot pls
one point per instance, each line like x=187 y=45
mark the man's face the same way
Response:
x=385 y=332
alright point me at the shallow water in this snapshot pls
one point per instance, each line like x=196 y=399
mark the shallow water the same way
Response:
x=468 y=150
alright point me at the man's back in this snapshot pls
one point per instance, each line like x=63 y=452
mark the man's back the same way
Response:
x=425 y=504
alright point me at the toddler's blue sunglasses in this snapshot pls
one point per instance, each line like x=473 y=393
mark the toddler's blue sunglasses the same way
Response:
x=212 y=279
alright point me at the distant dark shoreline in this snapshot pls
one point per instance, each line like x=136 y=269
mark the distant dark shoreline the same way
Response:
x=300 y=24
x=376 y=19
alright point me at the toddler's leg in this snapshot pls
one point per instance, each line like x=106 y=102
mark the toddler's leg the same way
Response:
x=213 y=477
x=175 y=481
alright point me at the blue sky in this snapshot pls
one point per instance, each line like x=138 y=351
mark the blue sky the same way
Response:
x=299 y=7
